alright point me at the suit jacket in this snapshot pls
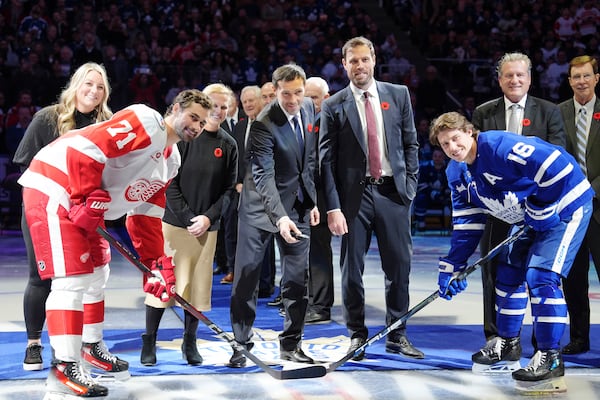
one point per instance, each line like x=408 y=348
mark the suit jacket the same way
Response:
x=592 y=157
x=276 y=169
x=343 y=147
x=544 y=117
x=239 y=134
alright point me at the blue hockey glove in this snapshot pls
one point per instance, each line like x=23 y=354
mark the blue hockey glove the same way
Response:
x=448 y=284
x=540 y=217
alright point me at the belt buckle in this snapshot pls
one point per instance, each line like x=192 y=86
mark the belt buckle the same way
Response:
x=374 y=181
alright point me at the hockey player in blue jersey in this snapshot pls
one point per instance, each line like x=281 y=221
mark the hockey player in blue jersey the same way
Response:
x=523 y=181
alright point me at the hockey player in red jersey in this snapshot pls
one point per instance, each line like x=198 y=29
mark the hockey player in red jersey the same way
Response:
x=104 y=171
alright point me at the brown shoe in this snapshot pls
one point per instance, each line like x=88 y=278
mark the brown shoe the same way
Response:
x=227 y=279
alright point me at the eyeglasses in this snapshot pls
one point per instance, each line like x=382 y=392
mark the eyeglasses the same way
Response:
x=585 y=77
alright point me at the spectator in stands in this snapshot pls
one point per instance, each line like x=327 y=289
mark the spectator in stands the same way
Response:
x=25 y=100
x=431 y=94
x=432 y=190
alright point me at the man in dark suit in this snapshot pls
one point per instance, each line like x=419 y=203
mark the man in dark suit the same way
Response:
x=529 y=116
x=369 y=166
x=320 y=277
x=252 y=105
x=583 y=78
x=278 y=200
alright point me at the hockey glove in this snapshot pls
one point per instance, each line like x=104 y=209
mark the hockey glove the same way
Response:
x=448 y=284
x=90 y=214
x=162 y=282
x=540 y=217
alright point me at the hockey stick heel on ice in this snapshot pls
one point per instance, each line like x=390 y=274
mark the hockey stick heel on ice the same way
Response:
x=312 y=371
x=385 y=331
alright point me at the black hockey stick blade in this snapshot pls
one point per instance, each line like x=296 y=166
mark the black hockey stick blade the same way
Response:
x=311 y=371
x=385 y=331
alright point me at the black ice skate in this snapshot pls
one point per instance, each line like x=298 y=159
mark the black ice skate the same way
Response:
x=500 y=355
x=100 y=361
x=69 y=380
x=544 y=374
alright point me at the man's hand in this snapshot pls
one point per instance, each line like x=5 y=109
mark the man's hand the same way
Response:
x=286 y=227
x=90 y=214
x=315 y=216
x=162 y=282
x=448 y=284
x=337 y=223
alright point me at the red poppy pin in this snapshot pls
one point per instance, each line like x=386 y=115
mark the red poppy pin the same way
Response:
x=596 y=116
x=526 y=122
x=218 y=152
x=309 y=127
x=385 y=105
x=316 y=129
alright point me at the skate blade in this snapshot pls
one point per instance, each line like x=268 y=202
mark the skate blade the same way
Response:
x=536 y=388
x=503 y=367
x=103 y=376
x=60 y=396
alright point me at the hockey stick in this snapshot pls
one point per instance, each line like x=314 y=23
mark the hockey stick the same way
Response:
x=312 y=371
x=385 y=331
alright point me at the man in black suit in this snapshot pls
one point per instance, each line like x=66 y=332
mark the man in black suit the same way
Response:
x=278 y=200
x=252 y=104
x=320 y=278
x=369 y=188
x=583 y=78
x=526 y=115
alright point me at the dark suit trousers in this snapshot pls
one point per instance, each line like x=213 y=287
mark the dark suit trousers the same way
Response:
x=381 y=212
x=229 y=228
x=252 y=244
x=495 y=232
x=320 y=281
x=576 y=285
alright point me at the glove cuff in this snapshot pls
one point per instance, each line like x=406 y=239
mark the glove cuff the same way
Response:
x=447 y=267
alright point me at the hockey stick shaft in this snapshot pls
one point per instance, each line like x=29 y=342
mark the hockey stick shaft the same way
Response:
x=313 y=371
x=429 y=299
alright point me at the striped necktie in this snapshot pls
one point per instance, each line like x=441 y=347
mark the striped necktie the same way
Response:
x=581 y=137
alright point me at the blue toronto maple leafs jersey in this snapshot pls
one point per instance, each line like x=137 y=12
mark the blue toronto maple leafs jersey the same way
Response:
x=511 y=173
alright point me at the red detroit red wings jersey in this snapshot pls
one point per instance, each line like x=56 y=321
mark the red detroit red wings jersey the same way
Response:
x=125 y=156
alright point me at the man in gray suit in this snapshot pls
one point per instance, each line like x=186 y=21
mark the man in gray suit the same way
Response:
x=529 y=116
x=583 y=78
x=278 y=200
x=369 y=165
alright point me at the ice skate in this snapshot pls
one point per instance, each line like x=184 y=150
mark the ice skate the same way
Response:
x=544 y=374
x=69 y=380
x=499 y=355
x=100 y=361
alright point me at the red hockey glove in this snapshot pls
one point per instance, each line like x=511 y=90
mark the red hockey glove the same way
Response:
x=89 y=215
x=162 y=282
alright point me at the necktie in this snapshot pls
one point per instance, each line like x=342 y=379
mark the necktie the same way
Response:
x=232 y=124
x=514 y=120
x=300 y=141
x=299 y=137
x=372 y=140
x=581 y=137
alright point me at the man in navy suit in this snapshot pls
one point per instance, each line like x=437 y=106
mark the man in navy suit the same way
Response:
x=583 y=78
x=534 y=117
x=369 y=189
x=278 y=200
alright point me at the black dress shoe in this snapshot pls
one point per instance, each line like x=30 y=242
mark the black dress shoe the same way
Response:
x=315 y=317
x=576 y=347
x=219 y=270
x=403 y=346
x=237 y=360
x=296 y=355
x=265 y=293
x=355 y=343
x=276 y=302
